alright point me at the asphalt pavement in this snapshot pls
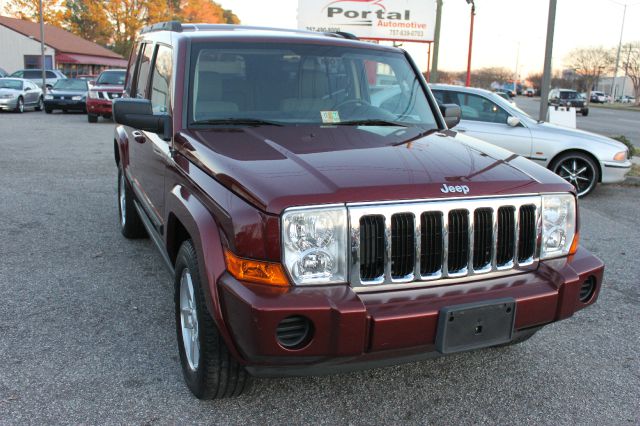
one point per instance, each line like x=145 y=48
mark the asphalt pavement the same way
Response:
x=605 y=121
x=87 y=331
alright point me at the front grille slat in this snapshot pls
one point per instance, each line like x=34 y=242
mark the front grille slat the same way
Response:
x=439 y=240
x=402 y=245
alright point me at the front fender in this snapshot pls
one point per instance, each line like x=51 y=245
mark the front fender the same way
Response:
x=183 y=206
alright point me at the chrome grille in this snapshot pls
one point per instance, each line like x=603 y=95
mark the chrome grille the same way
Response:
x=426 y=241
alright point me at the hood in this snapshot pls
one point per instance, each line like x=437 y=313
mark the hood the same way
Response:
x=9 y=91
x=554 y=131
x=58 y=92
x=279 y=167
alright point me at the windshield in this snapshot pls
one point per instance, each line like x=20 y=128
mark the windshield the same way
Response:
x=71 y=84
x=112 y=77
x=569 y=95
x=10 y=84
x=291 y=84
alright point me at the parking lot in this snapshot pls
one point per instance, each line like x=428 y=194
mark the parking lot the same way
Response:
x=88 y=336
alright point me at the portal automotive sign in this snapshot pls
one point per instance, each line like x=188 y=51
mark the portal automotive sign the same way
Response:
x=402 y=20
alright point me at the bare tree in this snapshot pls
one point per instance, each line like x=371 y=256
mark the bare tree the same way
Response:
x=631 y=65
x=590 y=63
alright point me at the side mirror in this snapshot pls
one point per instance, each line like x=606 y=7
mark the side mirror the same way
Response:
x=513 y=121
x=137 y=113
x=451 y=114
x=92 y=82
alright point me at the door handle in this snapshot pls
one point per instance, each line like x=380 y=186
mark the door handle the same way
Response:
x=138 y=136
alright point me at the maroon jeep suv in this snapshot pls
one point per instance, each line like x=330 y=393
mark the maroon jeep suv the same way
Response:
x=319 y=215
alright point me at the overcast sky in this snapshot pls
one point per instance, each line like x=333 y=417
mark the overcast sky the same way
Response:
x=500 y=26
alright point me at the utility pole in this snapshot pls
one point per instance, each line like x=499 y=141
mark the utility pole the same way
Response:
x=615 y=73
x=473 y=14
x=548 y=52
x=626 y=68
x=436 y=43
x=42 y=56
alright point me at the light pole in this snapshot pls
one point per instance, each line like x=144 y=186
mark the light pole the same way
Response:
x=473 y=14
x=546 y=73
x=42 y=57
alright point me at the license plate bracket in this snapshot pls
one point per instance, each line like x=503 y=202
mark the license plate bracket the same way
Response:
x=475 y=325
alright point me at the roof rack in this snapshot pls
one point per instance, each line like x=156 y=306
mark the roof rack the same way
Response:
x=177 y=26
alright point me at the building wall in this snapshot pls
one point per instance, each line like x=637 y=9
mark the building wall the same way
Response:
x=14 y=46
x=604 y=85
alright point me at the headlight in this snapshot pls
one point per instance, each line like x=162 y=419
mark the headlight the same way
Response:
x=620 y=156
x=76 y=98
x=558 y=225
x=315 y=245
x=48 y=97
x=93 y=95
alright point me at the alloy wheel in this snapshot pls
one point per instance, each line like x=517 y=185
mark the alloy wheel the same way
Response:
x=579 y=173
x=189 y=320
x=122 y=199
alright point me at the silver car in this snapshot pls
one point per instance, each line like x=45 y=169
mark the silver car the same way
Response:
x=35 y=75
x=583 y=159
x=16 y=94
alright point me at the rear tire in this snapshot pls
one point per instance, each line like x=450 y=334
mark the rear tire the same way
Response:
x=92 y=118
x=130 y=223
x=207 y=366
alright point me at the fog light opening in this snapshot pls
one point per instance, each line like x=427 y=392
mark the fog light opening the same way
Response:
x=294 y=332
x=587 y=289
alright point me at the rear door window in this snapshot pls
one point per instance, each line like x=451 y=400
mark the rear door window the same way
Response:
x=479 y=108
x=51 y=74
x=143 y=71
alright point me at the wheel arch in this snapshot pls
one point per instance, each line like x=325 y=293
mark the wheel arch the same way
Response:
x=581 y=151
x=188 y=218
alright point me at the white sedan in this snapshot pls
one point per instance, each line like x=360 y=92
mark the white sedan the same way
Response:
x=583 y=159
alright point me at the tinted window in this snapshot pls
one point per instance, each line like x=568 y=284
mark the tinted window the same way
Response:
x=301 y=83
x=143 y=71
x=18 y=74
x=33 y=74
x=115 y=78
x=569 y=95
x=478 y=108
x=161 y=81
x=51 y=74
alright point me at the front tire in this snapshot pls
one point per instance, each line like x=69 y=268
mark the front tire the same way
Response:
x=20 y=106
x=92 y=118
x=48 y=110
x=585 y=112
x=207 y=366
x=578 y=169
x=130 y=223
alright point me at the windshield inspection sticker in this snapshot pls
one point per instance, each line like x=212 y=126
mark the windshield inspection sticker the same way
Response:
x=330 y=116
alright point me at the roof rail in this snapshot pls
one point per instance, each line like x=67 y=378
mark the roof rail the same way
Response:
x=174 y=26
x=342 y=34
x=177 y=26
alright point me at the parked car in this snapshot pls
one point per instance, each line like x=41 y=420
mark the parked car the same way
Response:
x=598 y=97
x=626 y=99
x=310 y=231
x=530 y=93
x=581 y=158
x=570 y=99
x=35 y=75
x=16 y=94
x=3 y=73
x=108 y=86
x=67 y=95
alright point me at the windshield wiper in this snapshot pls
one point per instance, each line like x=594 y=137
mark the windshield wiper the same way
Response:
x=247 y=121
x=370 y=122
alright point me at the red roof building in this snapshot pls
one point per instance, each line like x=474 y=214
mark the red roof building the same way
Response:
x=73 y=55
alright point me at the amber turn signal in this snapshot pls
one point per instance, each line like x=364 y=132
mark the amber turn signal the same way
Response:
x=574 y=244
x=256 y=271
x=621 y=156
